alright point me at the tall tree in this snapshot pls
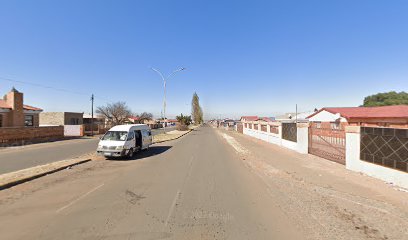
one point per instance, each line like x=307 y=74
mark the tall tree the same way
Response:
x=386 y=99
x=145 y=116
x=117 y=113
x=196 y=110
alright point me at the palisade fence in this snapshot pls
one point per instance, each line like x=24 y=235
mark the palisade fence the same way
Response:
x=289 y=131
x=387 y=147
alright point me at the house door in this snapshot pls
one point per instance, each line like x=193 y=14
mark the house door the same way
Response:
x=328 y=140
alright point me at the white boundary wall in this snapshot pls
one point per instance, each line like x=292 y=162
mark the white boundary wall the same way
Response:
x=73 y=130
x=354 y=163
x=300 y=146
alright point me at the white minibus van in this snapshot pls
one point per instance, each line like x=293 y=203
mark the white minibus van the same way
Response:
x=125 y=140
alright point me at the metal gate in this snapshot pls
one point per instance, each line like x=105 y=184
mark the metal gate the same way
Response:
x=328 y=140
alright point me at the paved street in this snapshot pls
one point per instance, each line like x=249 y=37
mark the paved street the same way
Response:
x=207 y=185
x=17 y=158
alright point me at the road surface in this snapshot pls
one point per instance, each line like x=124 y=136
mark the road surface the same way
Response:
x=17 y=158
x=205 y=185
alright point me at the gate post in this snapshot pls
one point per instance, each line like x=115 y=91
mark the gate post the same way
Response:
x=303 y=137
x=353 y=147
x=280 y=133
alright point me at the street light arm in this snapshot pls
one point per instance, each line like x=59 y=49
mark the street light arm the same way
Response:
x=175 y=71
x=158 y=72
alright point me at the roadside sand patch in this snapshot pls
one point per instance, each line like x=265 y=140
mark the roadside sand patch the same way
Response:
x=238 y=147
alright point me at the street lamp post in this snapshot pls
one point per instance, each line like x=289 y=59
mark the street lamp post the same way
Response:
x=164 y=86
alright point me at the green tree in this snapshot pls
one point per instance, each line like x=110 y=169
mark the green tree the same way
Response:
x=386 y=99
x=184 y=120
x=196 y=110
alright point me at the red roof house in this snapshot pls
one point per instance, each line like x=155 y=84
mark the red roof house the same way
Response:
x=13 y=113
x=386 y=116
x=249 y=118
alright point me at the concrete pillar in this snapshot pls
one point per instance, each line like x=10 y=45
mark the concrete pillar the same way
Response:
x=353 y=147
x=303 y=138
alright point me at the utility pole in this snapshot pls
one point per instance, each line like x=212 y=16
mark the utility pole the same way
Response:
x=164 y=85
x=92 y=111
x=296 y=114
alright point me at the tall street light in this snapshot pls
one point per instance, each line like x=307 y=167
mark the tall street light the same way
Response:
x=164 y=85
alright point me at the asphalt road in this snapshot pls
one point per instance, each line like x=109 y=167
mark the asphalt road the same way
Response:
x=191 y=188
x=17 y=158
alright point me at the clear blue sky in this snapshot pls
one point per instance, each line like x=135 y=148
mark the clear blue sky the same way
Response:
x=242 y=57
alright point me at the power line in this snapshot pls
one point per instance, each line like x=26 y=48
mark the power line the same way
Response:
x=52 y=88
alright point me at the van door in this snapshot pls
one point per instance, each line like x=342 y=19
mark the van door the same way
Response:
x=139 y=138
x=149 y=137
x=131 y=141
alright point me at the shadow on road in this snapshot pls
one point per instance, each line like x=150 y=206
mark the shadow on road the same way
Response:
x=154 y=150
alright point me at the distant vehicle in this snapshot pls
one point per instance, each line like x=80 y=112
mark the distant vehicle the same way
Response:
x=125 y=140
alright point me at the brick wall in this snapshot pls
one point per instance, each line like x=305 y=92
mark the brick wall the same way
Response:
x=328 y=130
x=26 y=135
x=52 y=118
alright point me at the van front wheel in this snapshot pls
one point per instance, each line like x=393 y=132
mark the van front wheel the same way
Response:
x=130 y=153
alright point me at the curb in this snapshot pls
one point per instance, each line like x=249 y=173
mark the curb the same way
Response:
x=28 y=177
x=175 y=137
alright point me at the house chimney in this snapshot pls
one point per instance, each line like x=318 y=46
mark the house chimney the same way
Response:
x=15 y=100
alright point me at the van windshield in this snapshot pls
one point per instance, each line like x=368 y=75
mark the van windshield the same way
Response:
x=115 y=136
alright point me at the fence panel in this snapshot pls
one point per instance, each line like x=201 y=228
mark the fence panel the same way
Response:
x=385 y=146
x=289 y=131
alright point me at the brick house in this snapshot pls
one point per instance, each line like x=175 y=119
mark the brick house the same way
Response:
x=13 y=112
x=384 y=116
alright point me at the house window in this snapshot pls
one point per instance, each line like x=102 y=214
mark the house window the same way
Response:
x=1 y=120
x=74 y=121
x=29 y=120
x=318 y=125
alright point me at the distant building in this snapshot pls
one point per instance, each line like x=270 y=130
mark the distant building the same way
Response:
x=256 y=118
x=301 y=116
x=61 y=118
x=249 y=118
x=13 y=112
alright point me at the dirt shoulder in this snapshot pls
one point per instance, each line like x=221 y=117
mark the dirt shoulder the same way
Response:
x=323 y=197
x=175 y=134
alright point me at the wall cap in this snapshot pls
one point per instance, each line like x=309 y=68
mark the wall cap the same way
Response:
x=352 y=129
x=302 y=125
